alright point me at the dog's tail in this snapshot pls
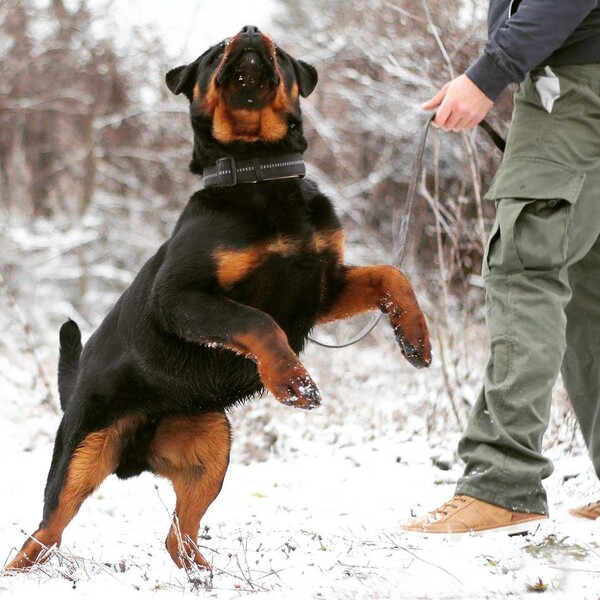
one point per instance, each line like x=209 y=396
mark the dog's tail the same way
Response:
x=68 y=360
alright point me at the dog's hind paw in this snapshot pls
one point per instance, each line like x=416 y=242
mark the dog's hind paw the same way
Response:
x=32 y=553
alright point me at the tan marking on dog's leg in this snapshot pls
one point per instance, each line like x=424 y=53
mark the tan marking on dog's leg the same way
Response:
x=193 y=452
x=388 y=289
x=94 y=459
x=280 y=370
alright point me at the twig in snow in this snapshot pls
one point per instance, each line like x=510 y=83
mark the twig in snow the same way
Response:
x=69 y=565
x=396 y=545
x=574 y=569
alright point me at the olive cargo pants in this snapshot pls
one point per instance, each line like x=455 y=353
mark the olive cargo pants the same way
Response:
x=542 y=282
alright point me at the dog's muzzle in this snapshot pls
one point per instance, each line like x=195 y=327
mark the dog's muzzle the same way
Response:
x=249 y=61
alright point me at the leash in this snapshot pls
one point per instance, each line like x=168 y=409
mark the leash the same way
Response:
x=498 y=140
x=398 y=255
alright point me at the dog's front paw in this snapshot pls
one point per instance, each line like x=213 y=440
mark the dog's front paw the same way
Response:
x=411 y=334
x=293 y=387
x=301 y=392
x=418 y=355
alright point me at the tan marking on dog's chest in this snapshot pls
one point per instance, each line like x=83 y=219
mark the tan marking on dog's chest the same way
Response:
x=235 y=265
x=243 y=125
x=332 y=240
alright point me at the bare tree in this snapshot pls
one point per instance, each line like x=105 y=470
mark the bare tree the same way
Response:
x=91 y=172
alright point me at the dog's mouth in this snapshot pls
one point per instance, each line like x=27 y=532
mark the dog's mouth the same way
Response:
x=248 y=73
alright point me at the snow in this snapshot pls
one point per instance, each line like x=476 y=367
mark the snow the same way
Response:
x=310 y=507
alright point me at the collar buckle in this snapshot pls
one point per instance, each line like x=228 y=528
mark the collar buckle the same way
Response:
x=226 y=171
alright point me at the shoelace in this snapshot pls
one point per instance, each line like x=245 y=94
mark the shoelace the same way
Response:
x=454 y=503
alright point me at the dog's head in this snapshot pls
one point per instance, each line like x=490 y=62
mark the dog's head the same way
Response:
x=246 y=87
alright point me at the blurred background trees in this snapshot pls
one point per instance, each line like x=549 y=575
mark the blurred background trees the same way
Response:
x=73 y=119
x=89 y=157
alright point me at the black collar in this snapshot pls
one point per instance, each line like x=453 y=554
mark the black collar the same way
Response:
x=228 y=171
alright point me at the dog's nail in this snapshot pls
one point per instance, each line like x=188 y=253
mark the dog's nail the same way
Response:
x=412 y=354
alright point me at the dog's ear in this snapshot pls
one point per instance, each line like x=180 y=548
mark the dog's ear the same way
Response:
x=307 y=77
x=182 y=79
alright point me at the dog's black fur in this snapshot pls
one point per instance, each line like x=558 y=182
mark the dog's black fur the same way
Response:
x=221 y=311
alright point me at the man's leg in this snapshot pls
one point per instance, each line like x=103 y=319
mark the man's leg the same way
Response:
x=548 y=220
x=527 y=292
x=581 y=364
x=525 y=306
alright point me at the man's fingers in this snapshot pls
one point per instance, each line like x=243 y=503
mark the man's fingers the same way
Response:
x=453 y=121
x=460 y=125
x=432 y=102
x=472 y=123
x=436 y=100
x=442 y=115
x=460 y=105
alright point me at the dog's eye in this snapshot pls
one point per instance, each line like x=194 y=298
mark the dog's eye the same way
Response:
x=217 y=57
x=218 y=54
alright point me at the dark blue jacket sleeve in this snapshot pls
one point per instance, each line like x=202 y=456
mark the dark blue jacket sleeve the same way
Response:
x=525 y=40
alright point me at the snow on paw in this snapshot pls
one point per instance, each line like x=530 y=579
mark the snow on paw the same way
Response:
x=418 y=356
x=287 y=379
x=301 y=392
x=411 y=332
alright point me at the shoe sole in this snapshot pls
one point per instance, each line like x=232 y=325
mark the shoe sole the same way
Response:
x=582 y=515
x=516 y=529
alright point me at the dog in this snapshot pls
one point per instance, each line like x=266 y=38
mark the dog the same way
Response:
x=222 y=310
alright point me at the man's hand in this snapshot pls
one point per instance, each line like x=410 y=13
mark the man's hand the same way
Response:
x=462 y=105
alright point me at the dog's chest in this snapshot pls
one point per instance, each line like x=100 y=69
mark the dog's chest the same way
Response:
x=279 y=257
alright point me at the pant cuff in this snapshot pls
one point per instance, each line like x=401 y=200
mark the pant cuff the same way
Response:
x=531 y=503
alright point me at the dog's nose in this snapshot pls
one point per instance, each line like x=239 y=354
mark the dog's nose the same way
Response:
x=250 y=30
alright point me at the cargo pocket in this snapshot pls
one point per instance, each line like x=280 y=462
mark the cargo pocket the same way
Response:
x=534 y=199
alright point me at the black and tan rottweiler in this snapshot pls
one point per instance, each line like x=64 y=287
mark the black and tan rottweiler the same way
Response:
x=222 y=310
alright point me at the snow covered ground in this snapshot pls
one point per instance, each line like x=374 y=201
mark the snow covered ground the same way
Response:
x=310 y=507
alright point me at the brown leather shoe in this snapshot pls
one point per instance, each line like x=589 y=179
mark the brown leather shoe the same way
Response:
x=464 y=514
x=589 y=511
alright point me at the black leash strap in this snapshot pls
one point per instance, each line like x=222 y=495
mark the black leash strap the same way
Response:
x=498 y=140
x=400 y=245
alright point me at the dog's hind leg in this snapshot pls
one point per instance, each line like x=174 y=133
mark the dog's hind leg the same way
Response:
x=193 y=452
x=96 y=457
